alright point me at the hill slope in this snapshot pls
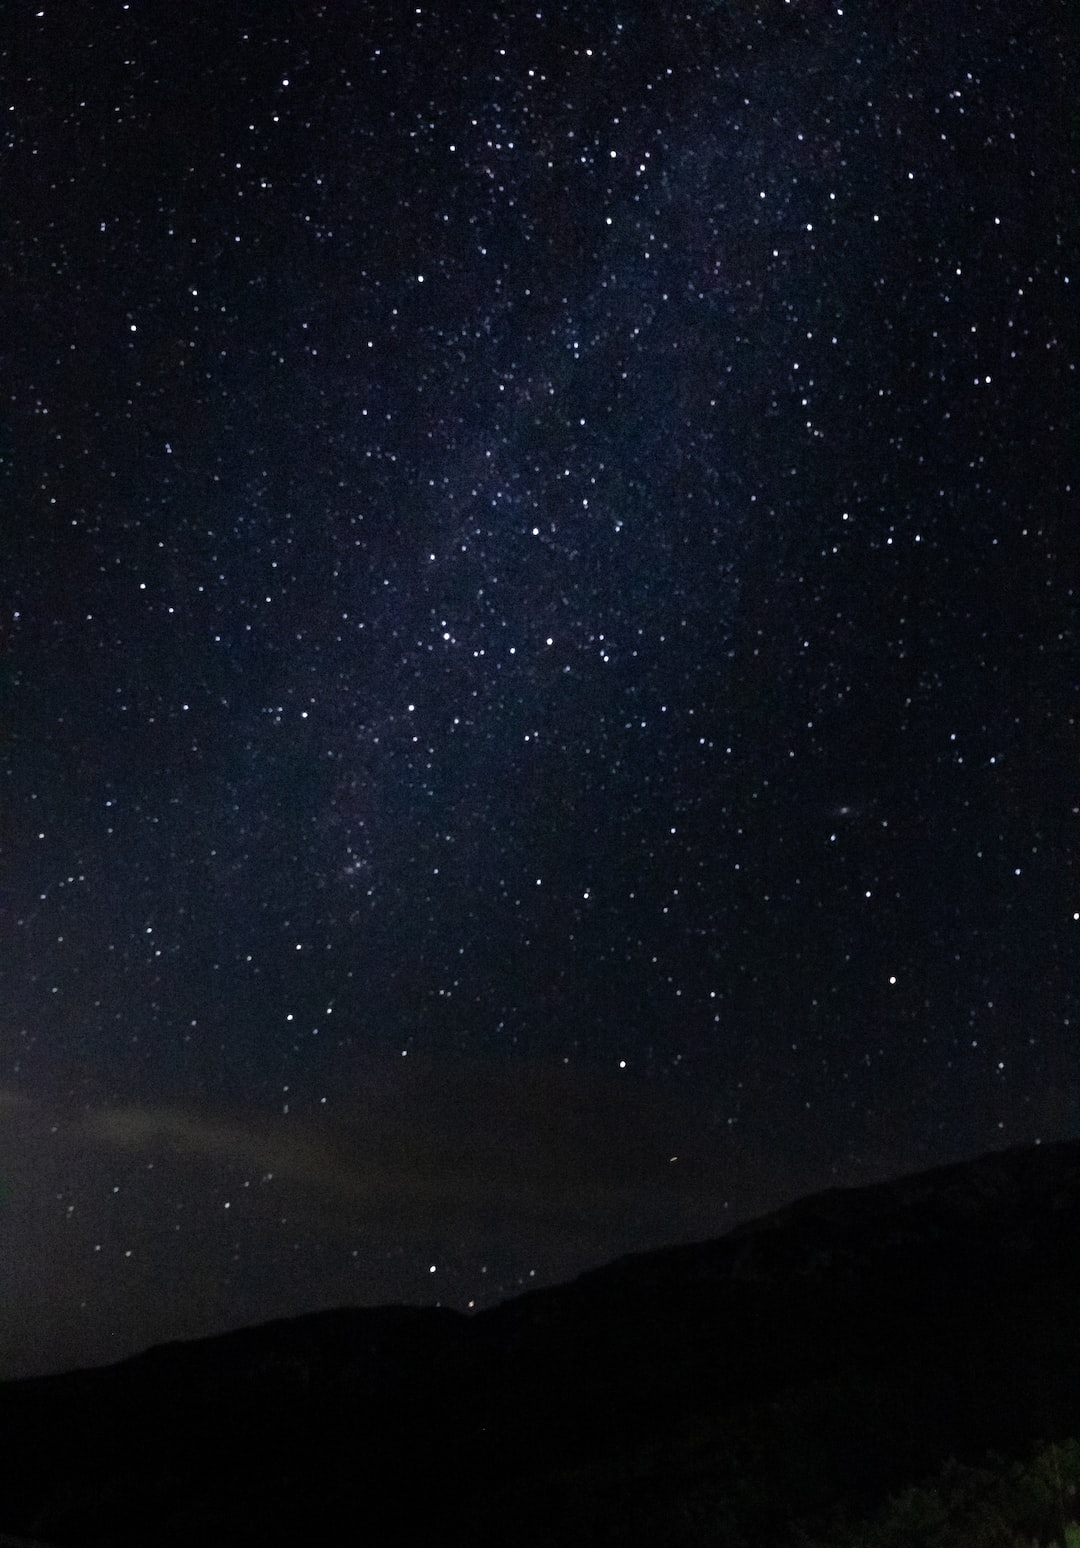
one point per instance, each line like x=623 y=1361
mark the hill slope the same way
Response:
x=826 y=1355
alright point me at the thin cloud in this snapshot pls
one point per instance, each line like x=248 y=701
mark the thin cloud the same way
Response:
x=297 y=1157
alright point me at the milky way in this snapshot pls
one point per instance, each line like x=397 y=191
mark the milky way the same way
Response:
x=536 y=644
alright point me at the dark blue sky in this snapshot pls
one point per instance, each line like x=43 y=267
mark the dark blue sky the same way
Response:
x=535 y=636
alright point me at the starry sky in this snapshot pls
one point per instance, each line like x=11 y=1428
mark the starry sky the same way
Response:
x=535 y=642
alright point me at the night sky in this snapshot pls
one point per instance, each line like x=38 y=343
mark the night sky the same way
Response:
x=535 y=635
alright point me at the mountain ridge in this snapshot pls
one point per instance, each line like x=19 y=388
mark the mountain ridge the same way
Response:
x=835 y=1349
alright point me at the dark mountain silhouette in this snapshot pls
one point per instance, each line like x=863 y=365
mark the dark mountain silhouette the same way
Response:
x=809 y=1363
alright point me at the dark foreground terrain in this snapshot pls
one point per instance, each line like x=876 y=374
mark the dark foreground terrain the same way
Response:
x=782 y=1385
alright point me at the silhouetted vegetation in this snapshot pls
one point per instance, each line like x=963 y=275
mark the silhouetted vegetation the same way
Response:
x=1024 y=1503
